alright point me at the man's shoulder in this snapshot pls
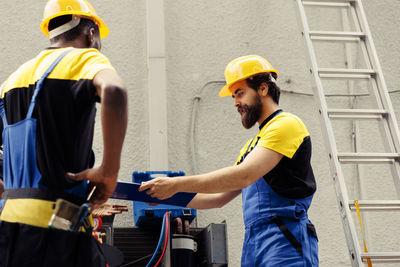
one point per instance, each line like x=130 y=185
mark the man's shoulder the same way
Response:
x=284 y=126
x=284 y=134
x=86 y=55
x=14 y=80
x=286 y=116
x=285 y=120
x=82 y=63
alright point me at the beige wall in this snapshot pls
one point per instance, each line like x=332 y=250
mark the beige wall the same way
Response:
x=201 y=38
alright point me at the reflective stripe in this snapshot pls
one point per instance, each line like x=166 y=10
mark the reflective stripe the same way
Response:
x=34 y=212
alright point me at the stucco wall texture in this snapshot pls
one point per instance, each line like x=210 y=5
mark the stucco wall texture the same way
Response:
x=201 y=38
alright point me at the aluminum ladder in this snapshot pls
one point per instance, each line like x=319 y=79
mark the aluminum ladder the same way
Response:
x=384 y=113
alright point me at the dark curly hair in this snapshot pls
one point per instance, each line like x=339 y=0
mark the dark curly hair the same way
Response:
x=273 y=90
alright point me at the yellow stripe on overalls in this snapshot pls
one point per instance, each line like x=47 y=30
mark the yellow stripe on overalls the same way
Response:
x=362 y=232
x=34 y=212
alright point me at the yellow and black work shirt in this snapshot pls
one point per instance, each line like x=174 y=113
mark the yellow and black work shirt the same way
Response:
x=65 y=110
x=286 y=134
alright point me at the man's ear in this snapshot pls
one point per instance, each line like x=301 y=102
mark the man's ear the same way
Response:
x=91 y=36
x=263 y=89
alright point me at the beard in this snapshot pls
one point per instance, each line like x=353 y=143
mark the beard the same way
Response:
x=251 y=113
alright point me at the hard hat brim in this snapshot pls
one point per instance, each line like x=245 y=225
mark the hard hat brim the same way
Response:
x=224 y=91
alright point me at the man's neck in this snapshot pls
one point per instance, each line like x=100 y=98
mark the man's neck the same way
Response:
x=76 y=44
x=267 y=110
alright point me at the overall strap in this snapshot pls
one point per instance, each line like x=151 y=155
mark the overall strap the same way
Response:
x=39 y=84
x=2 y=111
x=248 y=147
x=258 y=137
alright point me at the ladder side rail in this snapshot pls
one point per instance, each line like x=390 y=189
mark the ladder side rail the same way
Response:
x=355 y=137
x=389 y=144
x=390 y=141
x=389 y=124
x=340 y=186
x=392 y=121
x=375 y=88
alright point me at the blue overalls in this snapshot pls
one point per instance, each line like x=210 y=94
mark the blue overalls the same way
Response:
x=20 y=169
x=277 y=229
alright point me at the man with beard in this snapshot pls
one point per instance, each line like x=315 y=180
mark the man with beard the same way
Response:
x=273 y=173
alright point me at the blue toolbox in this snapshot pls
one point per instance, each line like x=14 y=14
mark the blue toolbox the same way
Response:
x=146 y=215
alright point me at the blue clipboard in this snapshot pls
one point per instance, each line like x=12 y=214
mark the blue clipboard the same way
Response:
x=129 y=191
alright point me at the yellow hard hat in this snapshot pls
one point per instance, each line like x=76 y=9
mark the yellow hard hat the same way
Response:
x=79 y=8
x=242 y=68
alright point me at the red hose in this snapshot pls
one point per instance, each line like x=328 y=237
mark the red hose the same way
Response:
x=166 y=239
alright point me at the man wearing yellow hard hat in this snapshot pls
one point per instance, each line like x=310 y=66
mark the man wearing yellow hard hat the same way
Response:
x=272 y=172
x=47 y=109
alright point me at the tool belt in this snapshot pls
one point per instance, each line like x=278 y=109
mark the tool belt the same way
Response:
x=33 y=206
x=42 y=194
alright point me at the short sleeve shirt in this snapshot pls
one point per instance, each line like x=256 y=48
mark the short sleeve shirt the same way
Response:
x=65 y=110
x=286 y=134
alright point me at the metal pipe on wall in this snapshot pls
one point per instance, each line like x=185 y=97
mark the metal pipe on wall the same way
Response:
x=157 y=86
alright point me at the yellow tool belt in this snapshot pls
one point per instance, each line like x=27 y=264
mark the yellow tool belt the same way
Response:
x=34 y=212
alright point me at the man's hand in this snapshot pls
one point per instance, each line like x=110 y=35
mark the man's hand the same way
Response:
x=160 y=187
x=105 y=183
x=108 y=209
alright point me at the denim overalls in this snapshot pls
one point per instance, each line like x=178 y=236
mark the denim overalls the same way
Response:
x=20 y=171
x=277 y=229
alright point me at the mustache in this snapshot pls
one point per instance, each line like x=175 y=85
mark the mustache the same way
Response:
x=242 y=107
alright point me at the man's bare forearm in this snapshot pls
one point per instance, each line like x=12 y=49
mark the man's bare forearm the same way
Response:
x=259 y=162
x=114 y=117
x=222 y=180
x=211 y=201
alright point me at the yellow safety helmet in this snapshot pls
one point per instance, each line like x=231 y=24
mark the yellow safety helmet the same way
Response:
x=242 y=68
x=79 y=8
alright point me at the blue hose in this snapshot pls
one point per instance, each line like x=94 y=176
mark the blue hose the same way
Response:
x=159 y=241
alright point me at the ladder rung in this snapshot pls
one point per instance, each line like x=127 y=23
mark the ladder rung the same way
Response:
x=327 y=4
x=337 y=39
x=368 y=158
x=377 y=205
x=336 y=36
x=345 y=73
x=356 y=114
x=381 y=257
x=331 y=1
